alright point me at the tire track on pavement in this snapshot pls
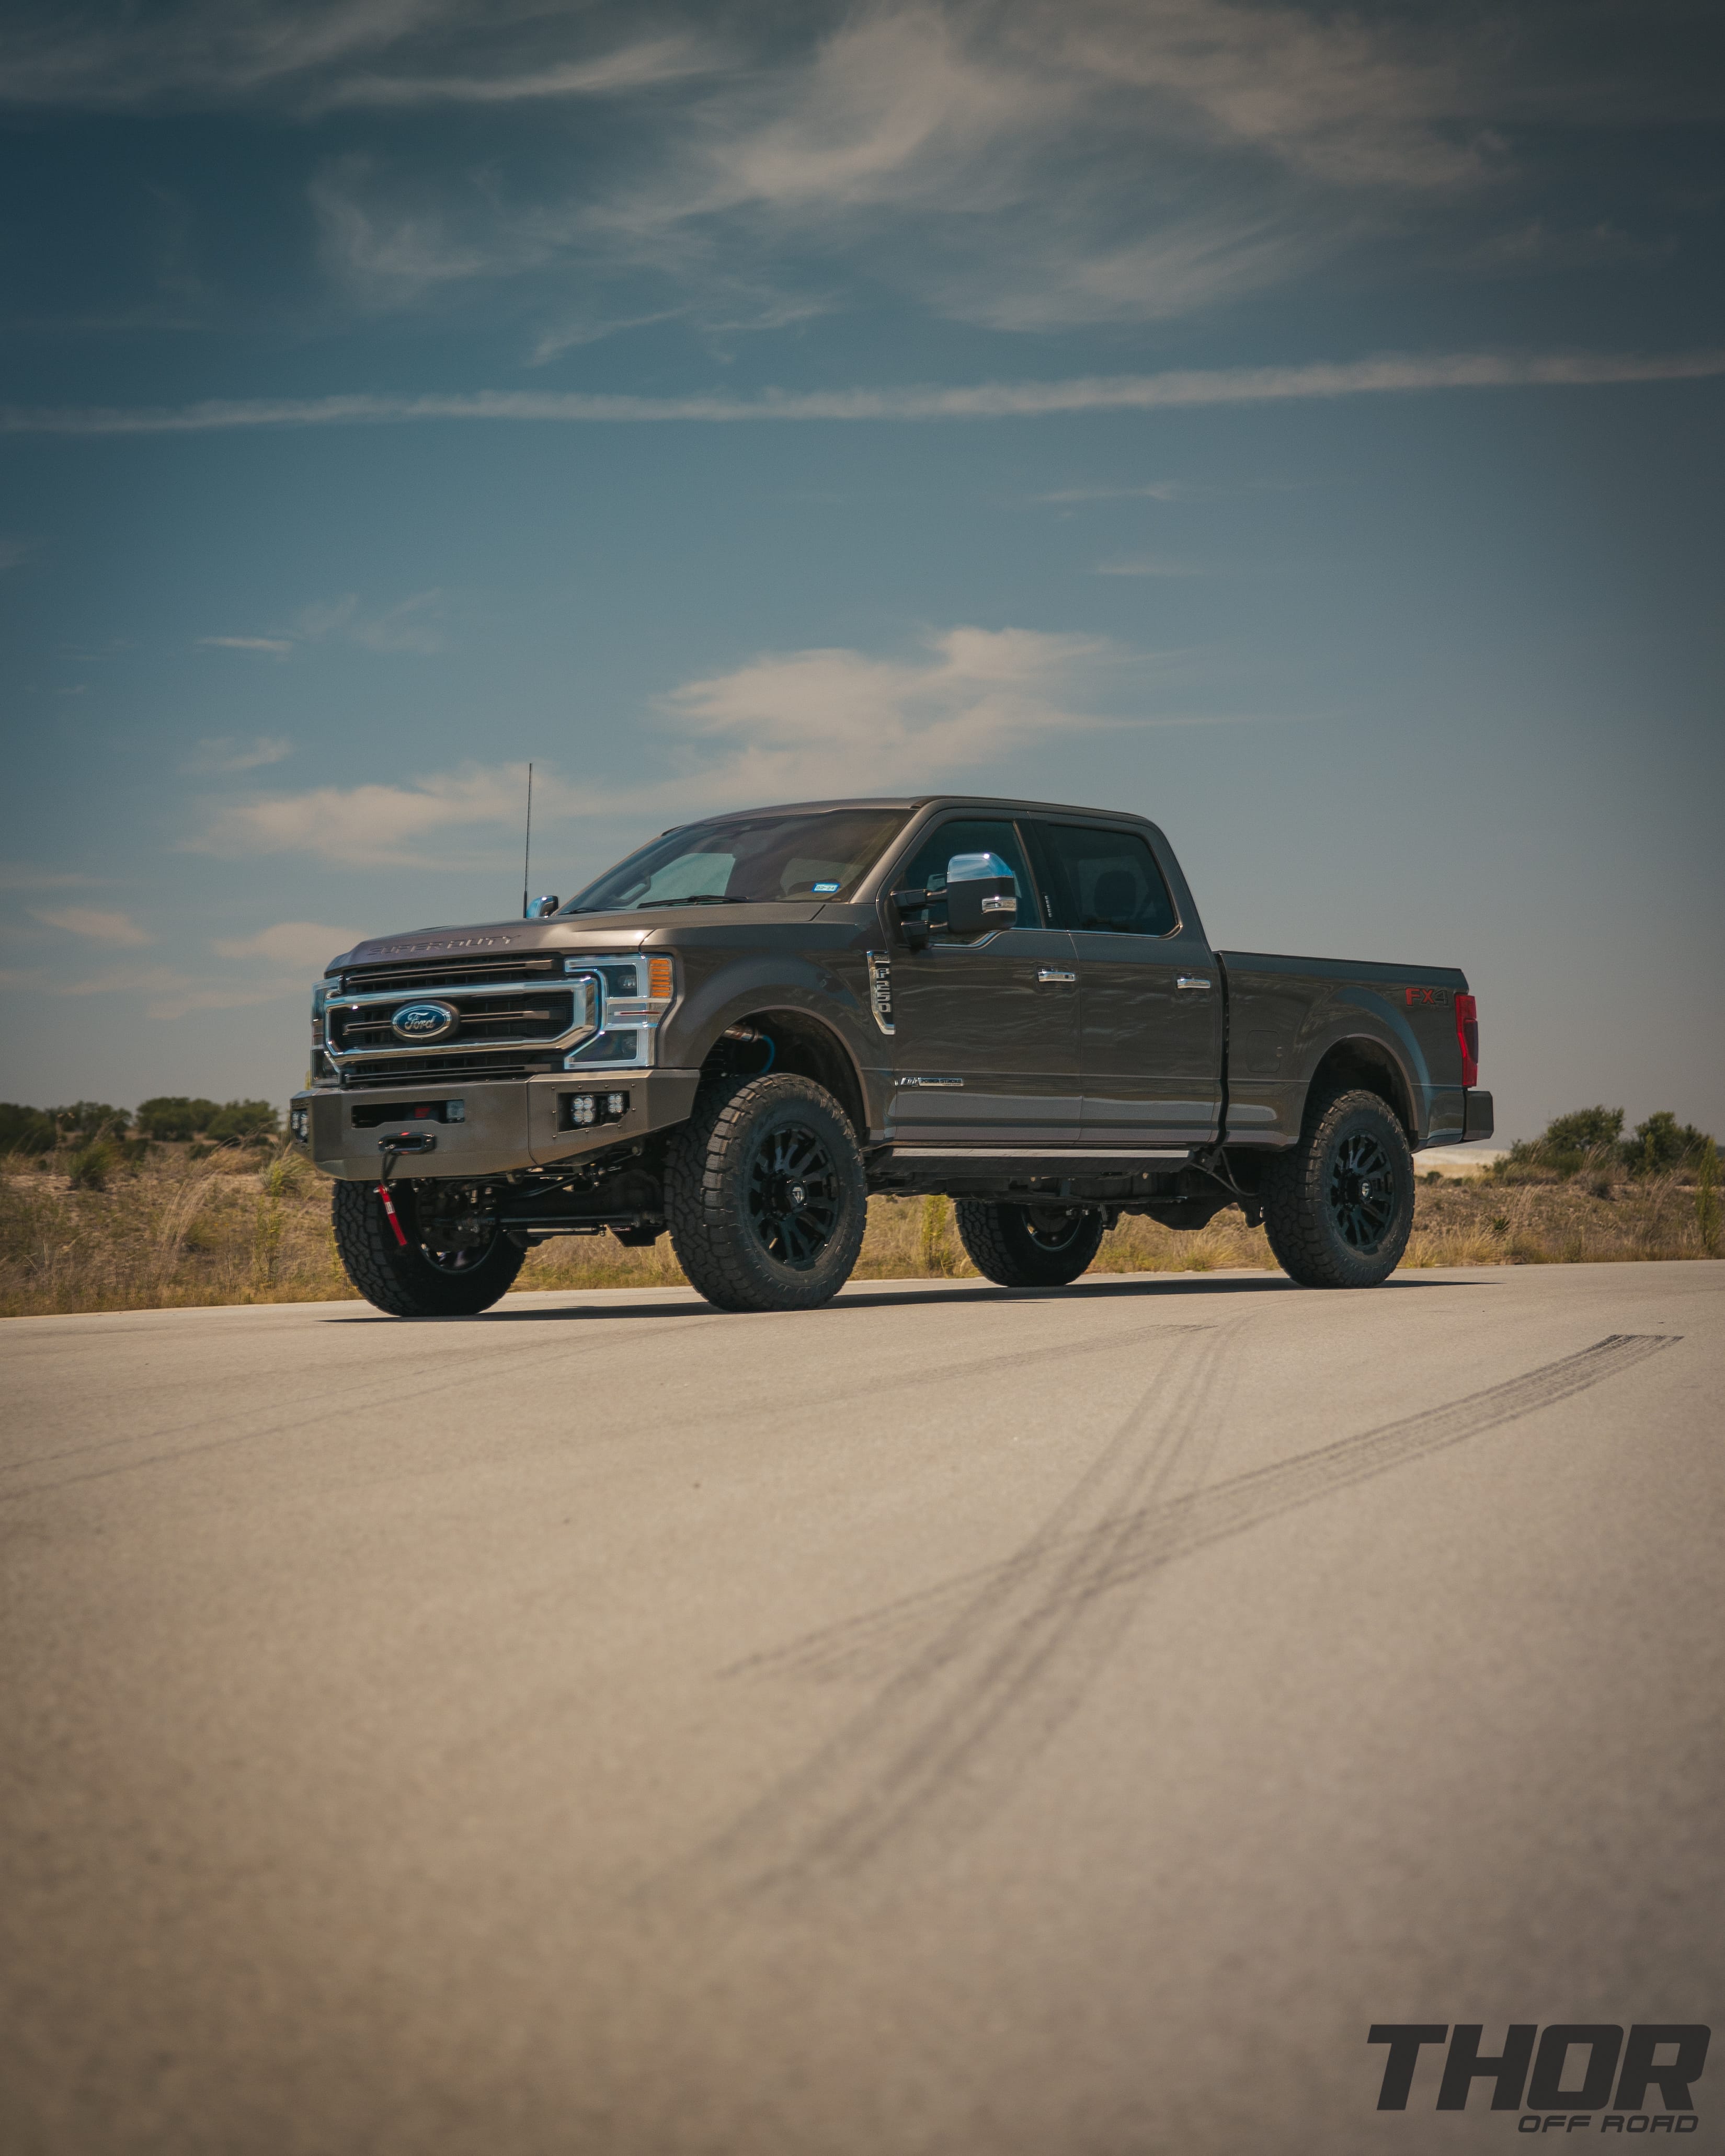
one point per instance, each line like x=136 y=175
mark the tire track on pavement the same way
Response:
x=949 y=1735
x=860 y=1646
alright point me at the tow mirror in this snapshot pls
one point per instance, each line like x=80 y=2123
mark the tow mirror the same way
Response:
x=982 y=895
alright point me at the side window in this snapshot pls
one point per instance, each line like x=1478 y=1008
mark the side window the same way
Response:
x=1105 y=880
x=926 y=868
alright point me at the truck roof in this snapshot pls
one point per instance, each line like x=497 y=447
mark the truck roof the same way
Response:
x=924 y=801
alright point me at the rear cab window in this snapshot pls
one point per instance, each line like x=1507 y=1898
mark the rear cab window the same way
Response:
x=1104 y=881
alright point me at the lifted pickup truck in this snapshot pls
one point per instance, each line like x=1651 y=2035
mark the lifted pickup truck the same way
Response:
x=759 y=1019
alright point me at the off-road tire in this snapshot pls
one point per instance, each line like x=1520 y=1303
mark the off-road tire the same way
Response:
x=743 y=1242
x=1324 y=1234
x=405 y=1281
x=1007 y=1243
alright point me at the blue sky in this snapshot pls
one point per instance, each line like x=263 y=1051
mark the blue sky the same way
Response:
x=1304 y=427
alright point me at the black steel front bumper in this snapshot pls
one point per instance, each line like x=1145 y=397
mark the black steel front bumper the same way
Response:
x=461 y=1132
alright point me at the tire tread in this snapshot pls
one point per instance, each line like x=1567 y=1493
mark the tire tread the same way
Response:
x=1295 y=1202
x=709 y=1231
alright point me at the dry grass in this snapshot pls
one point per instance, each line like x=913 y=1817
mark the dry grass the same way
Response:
x=166 y=1230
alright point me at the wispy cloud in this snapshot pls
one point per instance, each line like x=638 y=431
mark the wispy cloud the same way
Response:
x=630 y=67
x=1148 y=565
x=1164 y=490
x=15 y=551
x=100 y=923
x=812 y=723
x=305 y=945
x=277 y=647
x=414 y=624
x=311 y=55
x=222 y=753
x=169 y=993
x=23 y=876
x=1020 y=164
x=1387 y=374
x=782 y=726
x=382 y=825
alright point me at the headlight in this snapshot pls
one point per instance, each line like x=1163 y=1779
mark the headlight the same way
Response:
x=636 y=991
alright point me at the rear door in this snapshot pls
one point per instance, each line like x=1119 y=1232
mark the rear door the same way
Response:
x=1150 y=995
x=985 y=1040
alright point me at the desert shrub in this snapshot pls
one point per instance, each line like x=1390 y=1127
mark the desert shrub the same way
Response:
x=92 y=1166
x=1662 y=1145
x=84 y=1120
x=1569 y=1143
x=1583 y=1131
x=25 y=1130
x=175 y=1116
x=238 y=1121
x=1707 y=1197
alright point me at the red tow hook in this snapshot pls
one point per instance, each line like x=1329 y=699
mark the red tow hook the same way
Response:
x=389 y=1161
x=390 y=1208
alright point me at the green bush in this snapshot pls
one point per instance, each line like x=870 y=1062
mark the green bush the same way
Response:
x=1569 y=1142
x=237 y=1121
x=1707 y=1197
x=1662 y=1144
x=1583 y=1131
x=25 y=1130
x=90 y=1166
x=175 y=1116
x=85 y=1121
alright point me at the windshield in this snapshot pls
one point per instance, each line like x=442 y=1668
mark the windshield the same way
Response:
x=738 y=859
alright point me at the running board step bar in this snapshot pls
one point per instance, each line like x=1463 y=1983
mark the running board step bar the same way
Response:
x=1039 y=1160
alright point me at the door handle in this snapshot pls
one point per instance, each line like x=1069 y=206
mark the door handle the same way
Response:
x=1054 y=973
x=1190 y=981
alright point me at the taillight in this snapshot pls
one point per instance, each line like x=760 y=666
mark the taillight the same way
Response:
x=1467 y=1034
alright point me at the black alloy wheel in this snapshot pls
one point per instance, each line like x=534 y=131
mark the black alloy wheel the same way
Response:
x=765 y=1194
x=1029 y=1245
x=795 y=1197
x=428 y=1275
x=1362 y=1190
x=1338 y=1207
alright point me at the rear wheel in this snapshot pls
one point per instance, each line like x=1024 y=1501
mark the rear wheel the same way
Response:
x=1029 y=1245
x=766 y=1196
x=427 y=1276
x=1338 y=1206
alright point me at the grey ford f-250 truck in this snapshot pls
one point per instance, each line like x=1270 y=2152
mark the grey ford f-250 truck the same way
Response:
x=753 y=1023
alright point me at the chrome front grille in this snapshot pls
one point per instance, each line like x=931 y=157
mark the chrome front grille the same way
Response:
x=400 y=1070
x=539 y=1014
x=457 y=1025
x=426 y=976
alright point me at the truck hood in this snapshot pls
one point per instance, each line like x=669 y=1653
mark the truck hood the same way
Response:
x=572 y=932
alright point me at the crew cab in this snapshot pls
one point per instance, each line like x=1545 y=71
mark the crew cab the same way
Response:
x=759 y=1019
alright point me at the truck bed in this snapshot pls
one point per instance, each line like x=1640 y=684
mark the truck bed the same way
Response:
x=1285 y=1013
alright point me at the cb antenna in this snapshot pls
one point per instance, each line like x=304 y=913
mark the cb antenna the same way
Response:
x=527 y=846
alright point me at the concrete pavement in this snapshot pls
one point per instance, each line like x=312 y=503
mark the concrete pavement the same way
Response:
x=955 y=1721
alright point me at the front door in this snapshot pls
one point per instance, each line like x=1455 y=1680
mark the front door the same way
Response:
x=1150 y=994
x=986 y=1044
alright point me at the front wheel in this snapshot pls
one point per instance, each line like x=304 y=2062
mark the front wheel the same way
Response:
x=1339 y=1205
x=766 y=1196
x=419 y=1278
x=1029 y=1245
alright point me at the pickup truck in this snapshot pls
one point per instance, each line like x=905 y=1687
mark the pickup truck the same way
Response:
x=759 y=1019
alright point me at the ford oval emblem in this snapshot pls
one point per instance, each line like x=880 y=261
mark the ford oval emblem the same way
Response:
x=424 y=1021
